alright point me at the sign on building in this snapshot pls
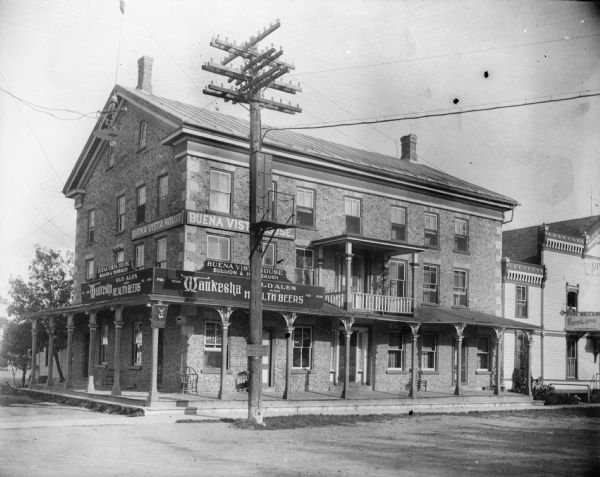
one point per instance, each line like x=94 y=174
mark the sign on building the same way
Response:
x=583 y=322
x=125 y=285
x=223 y=222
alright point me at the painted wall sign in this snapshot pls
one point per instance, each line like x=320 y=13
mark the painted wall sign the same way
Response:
x=114 y=269
x=240 y=270
x=224 y=222
x=125 y=285
x=158 y=225
x=583 y=322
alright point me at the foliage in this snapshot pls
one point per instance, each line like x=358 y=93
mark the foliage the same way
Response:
x=15 y=346
x=519 y=380
x=540 y=390
x=554 y=398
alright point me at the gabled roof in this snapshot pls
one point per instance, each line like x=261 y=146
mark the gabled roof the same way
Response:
x=185 y=115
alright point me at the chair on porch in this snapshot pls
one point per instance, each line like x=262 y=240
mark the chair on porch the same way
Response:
x=109 y=377
x=189 y=380
x=421 y=383
x=241 y=381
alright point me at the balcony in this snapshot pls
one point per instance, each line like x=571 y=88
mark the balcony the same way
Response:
x=369 y=302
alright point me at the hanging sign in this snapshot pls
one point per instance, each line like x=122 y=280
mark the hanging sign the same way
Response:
x=584 y=321
x=125 y=285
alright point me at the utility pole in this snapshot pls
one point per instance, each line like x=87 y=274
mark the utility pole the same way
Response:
x=260 y=70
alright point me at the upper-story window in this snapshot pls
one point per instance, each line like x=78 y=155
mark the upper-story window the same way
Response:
x=89 y=269
x=139 y=255
x=91 y=225
x=431 y=229
x=143 y=134
x=521 y=301
x=305 y=207
x=121 y=213
x=268 y=255
x=304 y=266
x=572 y=296
x=460 y=289
x=398 y=223
x=218 y=247
x=430 y=284
x=163 y=192
x=110 y=160
x=161 y=252
x=397 y=275
x=119 y=255
x=353 y=215
x=140 y=210
x=220 y=191
x=461 y=235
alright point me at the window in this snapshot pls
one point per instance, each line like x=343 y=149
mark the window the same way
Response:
x=91 y=225
x=483 y=353
x=304 y=266
x=119 y=255
x=89 y=269
x=220 y=191
x=521 y=355
x=571 y=357
x=429 y=351
x=396 y=350
x=521 y=301
x=103 y=344
x=460 y=289
x=431 y=230
x=120 y=213
x=163 y=192
x=398 y=223
x=111 y=158
x=142 y=134
x=461 y=235
x=140 y=210
x=397 y=274
x=139 y=255
x=302 y=347
x=430 y=284
x=268 y=255
x=352 y=207
x=213 y=339
x=305 y=207
x=218 y=247
x=572 y=301
x=161 y=252
x=136 y=354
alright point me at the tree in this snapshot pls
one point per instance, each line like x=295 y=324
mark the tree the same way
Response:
x=15 y=350
x=50 y=286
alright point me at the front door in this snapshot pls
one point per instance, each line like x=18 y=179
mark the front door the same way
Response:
x=359 y=352
x=266 y=360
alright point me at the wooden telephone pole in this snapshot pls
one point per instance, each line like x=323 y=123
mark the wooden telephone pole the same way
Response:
x=260 y=70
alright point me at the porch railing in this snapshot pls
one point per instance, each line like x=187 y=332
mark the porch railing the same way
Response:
x=369 y=302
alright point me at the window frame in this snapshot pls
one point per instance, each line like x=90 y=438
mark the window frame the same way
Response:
x=456 y=291
x=140 y=204
x=110 y=157
x=304 y=272
x=219 y=238
x=571 y=357
x=461 y=238
x=521 y=303
x=90 y=269
x=138 y=246
x=301 y=348
x=137 y=330
x=162 y=194
x=431 y=235
x=396 y=350
x=91 y=226
x=121 y=206
x=214 y=349
x=395 y=281
x=213 y=203
x=303 y=210
x=272 y=251
x=521 y=350
x=398 y=226
x=350 y=226
x=425 y=354
x=119 y=253
x=158 y=262
x=436 y=289
x=142 y=134
x=483 y=353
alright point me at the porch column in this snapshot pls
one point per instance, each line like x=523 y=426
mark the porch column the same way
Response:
x=414 y=362
x=460 y=328
x=348 y=290
x=158 y=315
x=92 y=352
x=116 y=388
x=289 y=321
x=50 y=351
x=347 y=322
x=499 y=333
x=33 y=374
x=224 y=313
x=69 y=363
x=529 y=346
x=320 y=262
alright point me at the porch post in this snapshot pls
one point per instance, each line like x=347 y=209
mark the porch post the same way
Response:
x=499 y=333
x=348 y=290
x=460 y=328
x=289 y=321
x=33 y=374
x=69 y=363
x=320 y=262
x=50 y=351
x=116 y=388
x=529 y=346
x=224 y=313
x=158 y=315
x=347 y=322
x=92 y=352
x=414 y=364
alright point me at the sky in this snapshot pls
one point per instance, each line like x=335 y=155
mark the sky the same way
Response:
x=354 y=59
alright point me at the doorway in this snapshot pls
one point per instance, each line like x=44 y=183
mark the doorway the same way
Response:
x=266 y=369
x=359 y=353
x=357 y=280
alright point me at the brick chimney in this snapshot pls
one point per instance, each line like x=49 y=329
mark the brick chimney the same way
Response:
x=145 y=74
x=409 y=148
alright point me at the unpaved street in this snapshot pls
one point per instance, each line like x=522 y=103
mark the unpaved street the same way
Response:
x=73 y=442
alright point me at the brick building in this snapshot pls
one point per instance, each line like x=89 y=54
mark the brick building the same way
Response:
x=551 y=278
x=392 y=267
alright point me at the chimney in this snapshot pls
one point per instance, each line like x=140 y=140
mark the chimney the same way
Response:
x=409 y=148
x=145 y=74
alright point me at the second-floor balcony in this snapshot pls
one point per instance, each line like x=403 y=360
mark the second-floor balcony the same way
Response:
x=371 y=302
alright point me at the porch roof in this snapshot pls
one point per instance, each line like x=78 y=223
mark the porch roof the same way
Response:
x=358 y=240
x=438 y=314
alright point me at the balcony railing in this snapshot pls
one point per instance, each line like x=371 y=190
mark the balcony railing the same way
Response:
x=369 y=302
